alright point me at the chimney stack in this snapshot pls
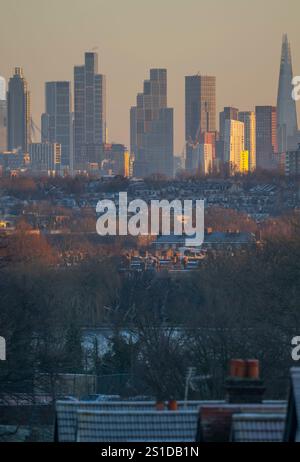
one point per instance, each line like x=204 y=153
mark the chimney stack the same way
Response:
x=244 y=384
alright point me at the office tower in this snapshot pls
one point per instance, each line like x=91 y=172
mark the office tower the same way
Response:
x=234 y=144
x=89 y=108
x=18 y=112
x=3 y=115
x=57 y=120
x=228 y=113
x=287 y=125
x=266 y=137
x=249 y=121
x=2 y=89
x=45 y=157
x=151 y=128
x=200 y=106
x=115 y=160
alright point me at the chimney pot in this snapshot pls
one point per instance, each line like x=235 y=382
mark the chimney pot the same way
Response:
x=172 y=405
x=238 y=368
x=253 y=368
x=244 y=384
x=160 y=406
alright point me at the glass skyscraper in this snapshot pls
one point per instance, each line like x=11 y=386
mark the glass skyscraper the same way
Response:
x=57 y=120
x=200 y=106
x=287 y=125
x=266 y=137
x=18 y=112
x=151 y=128
x=89 y=109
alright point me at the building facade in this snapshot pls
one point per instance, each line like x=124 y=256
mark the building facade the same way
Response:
x=249 y=121
x=266 y=137
x=115 y=160
x=45 y=157
x=292 y=163
x=244 y=162
x=3 y=125
x=200 y=106
x=2 y=89
x=18 y=112
x=89 y=108
x=57 y=120
x=151 y=128
x=234 y=144
x=205 y=159
x=287 y=125
x=228 y=113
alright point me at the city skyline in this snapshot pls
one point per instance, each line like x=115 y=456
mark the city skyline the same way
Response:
x=125 y=63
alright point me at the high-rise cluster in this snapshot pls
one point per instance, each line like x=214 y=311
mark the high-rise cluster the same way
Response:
x=74 y=129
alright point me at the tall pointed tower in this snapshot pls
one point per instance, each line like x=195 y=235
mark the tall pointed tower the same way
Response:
x=286 y=106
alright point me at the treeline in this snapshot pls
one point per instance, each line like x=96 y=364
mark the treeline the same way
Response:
x=242 y=306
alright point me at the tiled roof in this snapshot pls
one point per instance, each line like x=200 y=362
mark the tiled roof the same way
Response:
x=257 y=427
x=215 y=421
x=67 y=412
x=292 y=424
x=137 y=426
x=295 y=376
x=216 y=237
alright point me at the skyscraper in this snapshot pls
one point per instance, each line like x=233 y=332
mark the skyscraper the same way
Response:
x=57 y=119
x=229 y=113
x=89 y=108
x=266 y=137
x=151 y=128
x=18 y=112
x=249 y=121
x=287 y=125
x=3 y=115
x=234 y=144
x=200 y=106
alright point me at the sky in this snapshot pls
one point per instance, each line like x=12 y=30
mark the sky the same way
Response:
x=238 y=41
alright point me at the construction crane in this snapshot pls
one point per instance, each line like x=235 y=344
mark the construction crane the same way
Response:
x=34 y=129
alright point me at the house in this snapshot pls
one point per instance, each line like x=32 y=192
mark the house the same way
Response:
x=228 y=241
x=292 y=424
x=113 y=421
x=243 y=417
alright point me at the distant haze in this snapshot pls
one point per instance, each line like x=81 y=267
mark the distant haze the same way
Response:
x=239 y=41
